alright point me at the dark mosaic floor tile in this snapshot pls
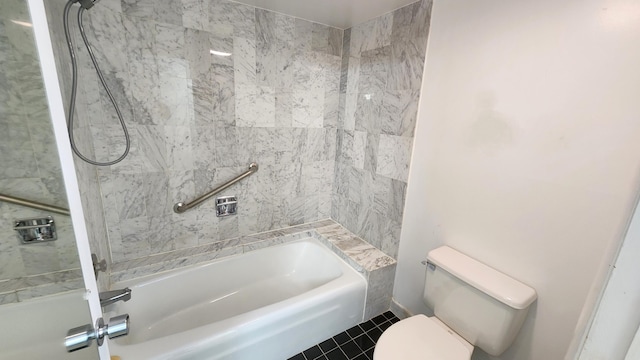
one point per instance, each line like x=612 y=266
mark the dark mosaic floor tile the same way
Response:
x=362 y=357
x=369 y=353
x=312 y=352
x=364 y=342
x=374 y=334
x=336 y=354
x=351 y=349
x=342 y=338
x=366 y=326
x=328 y=345
x=379 y=319
x=355 y=331
x=385 y=325
x=389 y=315
x=357 y=343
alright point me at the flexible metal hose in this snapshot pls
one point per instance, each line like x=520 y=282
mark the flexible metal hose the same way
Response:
x=74 y=86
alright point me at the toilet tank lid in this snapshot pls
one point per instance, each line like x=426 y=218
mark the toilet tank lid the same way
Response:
x=484 y=278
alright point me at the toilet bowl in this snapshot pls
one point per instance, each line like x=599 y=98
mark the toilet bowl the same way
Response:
x=419 y=338
x=474 y=306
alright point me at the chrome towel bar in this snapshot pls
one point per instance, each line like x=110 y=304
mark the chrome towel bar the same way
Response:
x=33 y=204
x=182 y=207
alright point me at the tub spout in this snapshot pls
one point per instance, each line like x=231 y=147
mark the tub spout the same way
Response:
x=110 y=297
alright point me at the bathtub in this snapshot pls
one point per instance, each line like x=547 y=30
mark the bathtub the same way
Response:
x=264 y=304
x=36 y=328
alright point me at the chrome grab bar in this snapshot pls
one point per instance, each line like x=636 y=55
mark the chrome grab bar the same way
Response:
x=182 y=207
x=33 y=204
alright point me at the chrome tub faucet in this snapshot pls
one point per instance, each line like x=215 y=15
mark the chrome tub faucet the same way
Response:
x=110 y=297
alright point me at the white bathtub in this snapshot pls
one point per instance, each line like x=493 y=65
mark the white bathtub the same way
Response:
x=265 y=304
x=36 y=328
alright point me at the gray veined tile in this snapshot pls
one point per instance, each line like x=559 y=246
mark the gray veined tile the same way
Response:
x=407 y=63
x=374 y=70
x=181 y=186
x=320 y=38
x=255 y=106
x=394 y=156
x=157 y=197
x=371 y=153
x=308 y=109
x=202 y=94
x=223 y=96
x=285 y=31
x=335 y=41
x=108 y=40
x=128 y=193
x=168 y=12
x=244 y=51
x=40 y=258
x=303 y=34
x=197 y=47
x=139 y=8
x=266 y=48
x=170 y=41
x=371 y=35
x=195 y=14
x=153 y=148
x=175 y=97
x=284 y=110
x=359 y=148
x=203 y=147
x=399 y=112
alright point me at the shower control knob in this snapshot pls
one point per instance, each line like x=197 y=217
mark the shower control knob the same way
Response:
x=82 y=336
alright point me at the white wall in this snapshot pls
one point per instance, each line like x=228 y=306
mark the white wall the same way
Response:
x=616 y=321
x=527 y=152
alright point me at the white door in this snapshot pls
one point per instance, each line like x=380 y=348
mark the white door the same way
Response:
x=56 y=109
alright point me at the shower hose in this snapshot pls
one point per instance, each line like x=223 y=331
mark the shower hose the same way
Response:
x=74 y=86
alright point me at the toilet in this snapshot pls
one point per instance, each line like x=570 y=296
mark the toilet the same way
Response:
x=473 y=305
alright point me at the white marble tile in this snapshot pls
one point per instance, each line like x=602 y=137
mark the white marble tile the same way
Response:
x=266 y=48
x=394 y=156
x=174 y=98
x=371 y=35
x=335 y=41
x=40 y=258
x=134 y=238
x=49 y=289
x=152 y=147
x=308 y=109
x=223 y=96
x=195 y=14
x=359 y=147
x=255 y=106
x=170 y=41
x=244 y=61
x=179 y=152
x=157 y=197
x=379 y=291
x=8 y=298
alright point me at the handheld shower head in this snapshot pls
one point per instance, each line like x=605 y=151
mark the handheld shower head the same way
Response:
x=87 y=4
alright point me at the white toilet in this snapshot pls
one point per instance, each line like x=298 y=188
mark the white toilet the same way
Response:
x=474 y=305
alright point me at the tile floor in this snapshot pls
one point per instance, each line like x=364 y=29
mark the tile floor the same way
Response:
x=356 y=343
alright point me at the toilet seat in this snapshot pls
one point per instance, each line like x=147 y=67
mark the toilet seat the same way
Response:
x=421 y=338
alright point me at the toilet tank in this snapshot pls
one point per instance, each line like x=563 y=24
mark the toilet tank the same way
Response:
x=481 y=304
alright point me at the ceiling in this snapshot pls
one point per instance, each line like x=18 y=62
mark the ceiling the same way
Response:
x=342 y=14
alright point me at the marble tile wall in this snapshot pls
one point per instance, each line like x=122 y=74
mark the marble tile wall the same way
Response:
x=29 y=168
x=197 y=119
x=381 y=76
